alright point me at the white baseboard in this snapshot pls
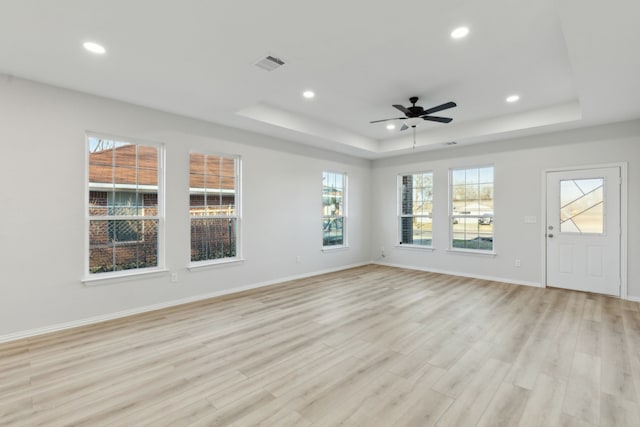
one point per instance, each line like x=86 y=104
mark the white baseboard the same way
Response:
x=631 y=298
x=458 y=273
x=97 y=319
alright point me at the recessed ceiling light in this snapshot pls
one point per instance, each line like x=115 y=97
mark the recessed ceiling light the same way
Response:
x=308 y=94
x=94 y=48
x=513 y=98
x=391 y=126
x=459 y=32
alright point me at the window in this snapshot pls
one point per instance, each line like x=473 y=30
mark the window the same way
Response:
x=213 y=206
x=472 y=208
x=123 y=205
x=334 y=221
x=415 y=209
x=582 y=206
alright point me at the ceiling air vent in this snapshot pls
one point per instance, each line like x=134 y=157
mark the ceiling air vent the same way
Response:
x=270 y=63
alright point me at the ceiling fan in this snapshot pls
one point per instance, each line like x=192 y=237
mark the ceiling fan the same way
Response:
x=415 y=113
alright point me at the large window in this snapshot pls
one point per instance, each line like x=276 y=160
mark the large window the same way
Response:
x=214 y=206
x=123 y=205
x=472 y=208
x=415 y=198
x=334 y=220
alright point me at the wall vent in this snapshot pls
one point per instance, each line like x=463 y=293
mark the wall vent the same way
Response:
x=270 y=63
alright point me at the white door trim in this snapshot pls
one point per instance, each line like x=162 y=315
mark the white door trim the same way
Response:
x=623 y=218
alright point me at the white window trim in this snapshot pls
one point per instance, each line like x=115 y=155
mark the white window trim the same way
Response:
x=416 y=247
x=335 y=248
x=345 y=214
x=400 y=215
x=221 y=262
x=479 y=252
x=122 y=276
x=218 y=262
x=450 y=248
x=96 y=278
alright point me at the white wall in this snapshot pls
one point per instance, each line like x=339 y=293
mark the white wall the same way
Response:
x=42 y=170
x=519 y=168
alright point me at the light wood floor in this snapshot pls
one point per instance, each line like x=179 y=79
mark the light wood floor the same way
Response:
x=371 y=346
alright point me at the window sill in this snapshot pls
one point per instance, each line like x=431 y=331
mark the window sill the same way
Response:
x=214 y=263
x=334 y=248
x=472 y=252
x=416 y=247
x=105 y=278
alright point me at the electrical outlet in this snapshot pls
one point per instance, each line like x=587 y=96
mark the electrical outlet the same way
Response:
x=298 y=259
x=517 y=263
x=174 y=277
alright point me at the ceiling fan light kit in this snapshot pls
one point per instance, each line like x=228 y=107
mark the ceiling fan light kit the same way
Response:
x=413 y=121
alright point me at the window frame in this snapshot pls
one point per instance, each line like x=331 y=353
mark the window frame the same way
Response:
x=237 y=161
x=452 y=216
x=400 y=215
x=89 y=277
x=345 y=210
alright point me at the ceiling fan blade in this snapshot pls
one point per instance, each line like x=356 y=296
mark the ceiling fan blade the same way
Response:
x=386 y=120
x=438 y=119
x=441 y=107
x=403 y=109
x=404 y=127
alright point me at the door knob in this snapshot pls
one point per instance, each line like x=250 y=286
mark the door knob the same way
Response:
x=550 y=235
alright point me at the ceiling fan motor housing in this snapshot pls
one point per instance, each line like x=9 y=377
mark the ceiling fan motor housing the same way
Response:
x=415 y=111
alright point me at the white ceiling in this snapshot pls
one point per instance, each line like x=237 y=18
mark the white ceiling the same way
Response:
x=574 y=63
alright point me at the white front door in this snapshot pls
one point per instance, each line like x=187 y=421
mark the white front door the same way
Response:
x=583 y=230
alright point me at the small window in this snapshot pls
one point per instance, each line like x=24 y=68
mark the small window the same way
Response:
x=582 y=206
x=415 y=210
x=213 y=206
x=334 y=220
x=123 y=205
x=471 y=211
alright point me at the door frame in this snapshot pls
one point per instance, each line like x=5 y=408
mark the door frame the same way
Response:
x=623 y=218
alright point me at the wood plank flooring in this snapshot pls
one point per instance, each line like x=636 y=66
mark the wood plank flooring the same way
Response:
x=370 y=346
